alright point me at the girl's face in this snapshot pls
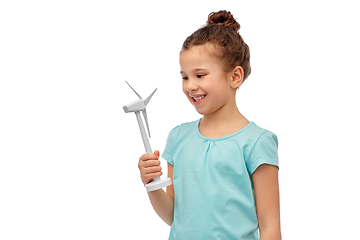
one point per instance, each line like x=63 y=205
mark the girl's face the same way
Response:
x=205 y=83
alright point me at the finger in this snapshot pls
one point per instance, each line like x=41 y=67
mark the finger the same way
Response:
x=153 y=175
x=151 y=163
x=146 y=178
x=148 y=163
x=149 y=156
x=157 y=153
x=152 y=170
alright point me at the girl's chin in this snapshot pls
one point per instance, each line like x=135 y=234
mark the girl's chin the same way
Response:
x=199 y=106
x=201 y=111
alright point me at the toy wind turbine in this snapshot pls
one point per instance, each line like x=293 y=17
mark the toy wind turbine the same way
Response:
x=137 y=106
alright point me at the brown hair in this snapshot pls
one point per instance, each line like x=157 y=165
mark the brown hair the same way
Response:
x=221 y=30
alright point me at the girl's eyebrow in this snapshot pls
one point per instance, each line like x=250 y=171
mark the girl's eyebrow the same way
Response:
x=196 y=70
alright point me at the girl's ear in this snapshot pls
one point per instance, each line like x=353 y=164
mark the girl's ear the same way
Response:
x=237 y=77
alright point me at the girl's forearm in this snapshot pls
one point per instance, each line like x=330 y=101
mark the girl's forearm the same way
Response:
x=163 y=205
x=270 y=234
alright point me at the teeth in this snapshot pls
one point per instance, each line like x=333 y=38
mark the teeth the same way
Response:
x=198 y=98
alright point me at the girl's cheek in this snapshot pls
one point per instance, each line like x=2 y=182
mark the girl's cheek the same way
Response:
x=184 y=90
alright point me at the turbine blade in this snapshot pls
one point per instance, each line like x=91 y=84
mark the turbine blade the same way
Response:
x=147 y=100
x=146 y=121
x=133 y=90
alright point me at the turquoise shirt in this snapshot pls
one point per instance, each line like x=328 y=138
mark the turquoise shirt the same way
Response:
x=214 y=194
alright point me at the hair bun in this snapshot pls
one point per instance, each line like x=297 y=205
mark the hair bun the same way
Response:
x=223 y=18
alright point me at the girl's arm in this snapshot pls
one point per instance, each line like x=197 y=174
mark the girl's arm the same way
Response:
x=162 y=202
x=266 y=188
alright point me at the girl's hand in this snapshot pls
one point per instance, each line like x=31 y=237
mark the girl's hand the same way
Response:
x=149 y=166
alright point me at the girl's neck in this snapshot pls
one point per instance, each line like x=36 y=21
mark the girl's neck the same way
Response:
x=222 y=123
x=222 y=120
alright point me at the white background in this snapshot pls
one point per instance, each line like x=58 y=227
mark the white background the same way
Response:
x=69 y=153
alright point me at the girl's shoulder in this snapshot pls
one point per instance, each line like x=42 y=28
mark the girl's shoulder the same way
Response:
x=182 y=130
x=184 y=127
x=254 y=134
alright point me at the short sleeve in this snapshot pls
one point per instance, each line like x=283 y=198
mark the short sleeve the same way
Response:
x=264 y=151
x=169 y=148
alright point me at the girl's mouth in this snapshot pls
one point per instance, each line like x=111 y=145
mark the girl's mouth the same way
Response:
x=198 y=100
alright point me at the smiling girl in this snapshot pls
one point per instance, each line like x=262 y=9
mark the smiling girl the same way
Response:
x=224 y=168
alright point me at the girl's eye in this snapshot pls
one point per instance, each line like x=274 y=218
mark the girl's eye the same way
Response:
x=185 y=78
x=200 y=75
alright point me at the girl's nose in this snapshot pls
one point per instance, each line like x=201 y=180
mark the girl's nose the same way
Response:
x=192 y=86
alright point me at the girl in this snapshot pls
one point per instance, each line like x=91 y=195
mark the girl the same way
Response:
x=223 y=167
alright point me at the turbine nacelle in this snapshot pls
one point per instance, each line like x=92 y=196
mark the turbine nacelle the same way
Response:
x=138 y=105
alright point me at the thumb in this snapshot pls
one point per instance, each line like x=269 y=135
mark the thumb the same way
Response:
x=157 y=153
